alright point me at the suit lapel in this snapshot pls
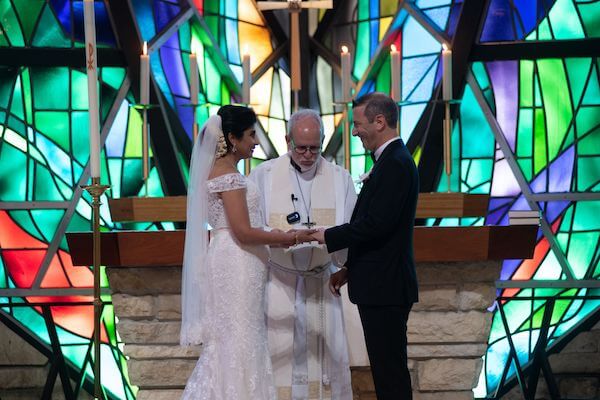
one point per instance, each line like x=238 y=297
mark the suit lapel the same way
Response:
x=376 y=167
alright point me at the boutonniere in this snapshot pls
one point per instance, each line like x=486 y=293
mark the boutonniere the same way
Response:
x=362 y=178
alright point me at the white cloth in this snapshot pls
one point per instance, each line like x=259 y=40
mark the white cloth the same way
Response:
x=295 y=304
x=235 y=362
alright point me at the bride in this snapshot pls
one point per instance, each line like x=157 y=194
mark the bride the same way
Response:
x=223 y=281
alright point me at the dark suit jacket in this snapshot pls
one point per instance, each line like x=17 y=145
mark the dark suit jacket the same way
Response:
x=379 y=237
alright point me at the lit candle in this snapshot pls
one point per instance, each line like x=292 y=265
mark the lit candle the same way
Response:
x=345 y=61
x=145 y=76
x=247 y=77
x=447 y=73
x=194 y=84
x=395 y=70
x=92 y=79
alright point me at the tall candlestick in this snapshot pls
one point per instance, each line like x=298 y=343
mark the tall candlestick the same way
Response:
x=247 y=77
x=145 y=76
x=395 y=70
x=194 y=84
x=346 y=87
x=92 y=80
x=446 y=73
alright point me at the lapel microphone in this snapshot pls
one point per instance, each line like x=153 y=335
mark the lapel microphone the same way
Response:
x=294 y=217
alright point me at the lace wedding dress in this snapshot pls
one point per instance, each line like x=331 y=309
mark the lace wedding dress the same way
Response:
x=235 y=362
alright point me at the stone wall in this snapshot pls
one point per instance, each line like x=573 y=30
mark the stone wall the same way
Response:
x=447 y=333
x=23 y=370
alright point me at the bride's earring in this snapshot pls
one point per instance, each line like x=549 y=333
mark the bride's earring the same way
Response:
x=234 y=149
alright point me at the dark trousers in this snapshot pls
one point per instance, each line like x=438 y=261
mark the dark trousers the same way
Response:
x=385 y=336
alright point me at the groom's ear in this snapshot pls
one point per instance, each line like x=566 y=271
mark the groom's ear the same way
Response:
x=380 y=122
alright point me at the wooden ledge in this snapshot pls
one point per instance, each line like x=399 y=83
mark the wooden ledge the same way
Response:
x=165 y=248
x=173 y=208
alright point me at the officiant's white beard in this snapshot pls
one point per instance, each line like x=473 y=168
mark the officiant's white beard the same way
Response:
x=303 y=168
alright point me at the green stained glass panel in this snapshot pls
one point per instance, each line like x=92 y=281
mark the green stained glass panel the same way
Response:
x=47 y=82
x=592 y=92
x=586 y=216
x=540 y=159
x=80 y=138
x=28 y=12
x=113 y=76
x=577 y=72
x=133 y=144
x=525 y=87
x=588 y=172
x=45 y=186
x=17 y=101
x=6 y=86
x=8 y=20
x=590 y=144
x=580 y=252
x=13 y=180
x=49 y=33
x=565 y=21
x=557 y=106
x=590 y=15
x=79 y=97
x=54 y=125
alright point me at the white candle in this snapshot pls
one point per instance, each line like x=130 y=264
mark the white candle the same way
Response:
x=447 y=73
x=346 y=62
x=92 y=79
x=247 y=77
x=194 y=84
x=145 y=76
x=395 y=70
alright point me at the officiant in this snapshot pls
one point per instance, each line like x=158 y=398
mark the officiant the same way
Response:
x=300 y=190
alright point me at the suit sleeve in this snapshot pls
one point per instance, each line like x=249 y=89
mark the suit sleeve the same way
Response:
x=384 y=213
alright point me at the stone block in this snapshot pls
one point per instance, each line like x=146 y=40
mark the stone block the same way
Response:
x=476 y=296
x=127 y=306
x=445 y=273
x=16 y=351
x=428 y=351
x=147 y=280
x=448 y=374
x=150 y=352
x=23 y=377
x=160 y=373
x=564 y=363
x=169 y=307
x=465 y=327
x=579 y=387
x=436 y=298
x=458 y=395
x=149 y=332
x=585 y=342
x=158 y=394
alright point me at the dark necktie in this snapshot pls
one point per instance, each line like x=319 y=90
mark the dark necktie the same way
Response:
x=373 y=157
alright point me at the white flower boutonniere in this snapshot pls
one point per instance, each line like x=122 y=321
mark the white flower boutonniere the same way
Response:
x=362 y=178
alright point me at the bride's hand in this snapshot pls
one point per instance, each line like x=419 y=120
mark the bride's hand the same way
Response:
x=304 y=235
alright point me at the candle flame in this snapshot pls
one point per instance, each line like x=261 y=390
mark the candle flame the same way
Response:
x=145 y=48
x=393 y=47
x=245 y=50
x=445 y=47
x=344 y=49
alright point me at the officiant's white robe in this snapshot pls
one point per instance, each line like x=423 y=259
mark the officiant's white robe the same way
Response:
x=295 y=304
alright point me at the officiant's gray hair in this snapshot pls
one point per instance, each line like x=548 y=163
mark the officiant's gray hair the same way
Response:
x=305 y=113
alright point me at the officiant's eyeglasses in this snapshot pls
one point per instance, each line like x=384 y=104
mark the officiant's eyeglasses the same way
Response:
x=304 y=149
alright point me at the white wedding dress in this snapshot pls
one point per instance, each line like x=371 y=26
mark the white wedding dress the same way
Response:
x=235 y=362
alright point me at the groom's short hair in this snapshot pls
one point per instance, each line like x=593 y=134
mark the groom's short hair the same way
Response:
x=378 y=103
x=305 y=113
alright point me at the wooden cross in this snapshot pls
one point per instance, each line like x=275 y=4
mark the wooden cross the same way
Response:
x=294 y=7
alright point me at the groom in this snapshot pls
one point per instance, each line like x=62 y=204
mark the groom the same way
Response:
x=380 y=270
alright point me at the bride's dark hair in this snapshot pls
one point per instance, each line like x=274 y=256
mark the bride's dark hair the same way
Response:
x=235 y=120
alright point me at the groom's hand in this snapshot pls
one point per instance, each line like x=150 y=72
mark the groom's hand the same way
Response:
x=337 y=280
x=319 y=236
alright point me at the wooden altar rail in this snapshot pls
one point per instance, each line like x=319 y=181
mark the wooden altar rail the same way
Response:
x=165 y=248
x=163 y=209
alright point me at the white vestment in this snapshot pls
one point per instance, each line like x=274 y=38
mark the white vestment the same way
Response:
x=302 y=314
